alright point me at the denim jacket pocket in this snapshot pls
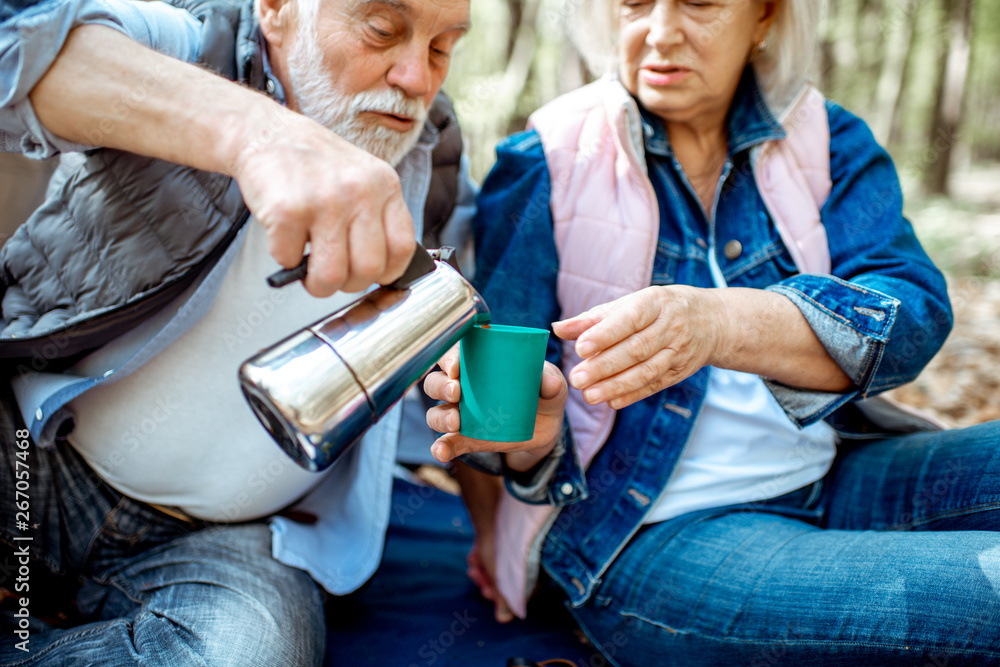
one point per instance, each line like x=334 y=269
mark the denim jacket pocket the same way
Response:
x=668 y=258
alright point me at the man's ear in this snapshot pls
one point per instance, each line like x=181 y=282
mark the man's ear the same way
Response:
x=276 y=20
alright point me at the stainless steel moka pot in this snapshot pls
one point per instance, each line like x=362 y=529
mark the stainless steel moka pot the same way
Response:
x=318 y=391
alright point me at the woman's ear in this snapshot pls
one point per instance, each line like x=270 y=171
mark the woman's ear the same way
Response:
x=276 y=20
x=769 y=11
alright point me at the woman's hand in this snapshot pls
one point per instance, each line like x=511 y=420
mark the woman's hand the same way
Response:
x=652 y=339
x=642 y=343
x=443 y=385
x=481 y=493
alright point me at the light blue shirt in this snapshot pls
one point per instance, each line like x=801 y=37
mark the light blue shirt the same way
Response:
x=352 y=504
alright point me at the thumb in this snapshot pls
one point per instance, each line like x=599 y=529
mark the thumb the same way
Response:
x=553 y=382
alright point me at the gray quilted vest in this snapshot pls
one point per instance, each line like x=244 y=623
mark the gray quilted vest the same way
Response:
x=121 y=235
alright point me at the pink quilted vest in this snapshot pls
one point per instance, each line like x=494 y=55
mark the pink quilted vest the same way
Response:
x=606 y=223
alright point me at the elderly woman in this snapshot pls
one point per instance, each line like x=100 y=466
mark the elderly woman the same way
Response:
x=725 y=258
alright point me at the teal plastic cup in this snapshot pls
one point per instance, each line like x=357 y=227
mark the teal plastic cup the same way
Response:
x=500 y=374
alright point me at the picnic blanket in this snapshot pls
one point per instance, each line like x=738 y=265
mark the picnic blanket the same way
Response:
x=420 y=608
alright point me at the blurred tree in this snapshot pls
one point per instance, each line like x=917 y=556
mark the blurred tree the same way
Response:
x=905 y=66
x=952 y=75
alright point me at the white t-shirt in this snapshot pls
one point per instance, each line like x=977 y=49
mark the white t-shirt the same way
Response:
x=178 y=431
x=743 y=447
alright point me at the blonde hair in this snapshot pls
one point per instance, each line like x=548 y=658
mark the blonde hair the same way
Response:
x=786 y=63
x=782 y=66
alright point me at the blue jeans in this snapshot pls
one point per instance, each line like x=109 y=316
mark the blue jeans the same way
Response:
x=892 y=559
x=150 y=588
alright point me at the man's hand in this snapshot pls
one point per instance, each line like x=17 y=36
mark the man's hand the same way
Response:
x=304 y=183
x=444 y=385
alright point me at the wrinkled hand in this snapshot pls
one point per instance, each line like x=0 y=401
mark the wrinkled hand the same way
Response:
x=306 y=184
x=444 y=385
x=644 y=342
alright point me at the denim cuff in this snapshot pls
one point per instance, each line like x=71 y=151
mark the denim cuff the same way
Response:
x=852 y=323
x=490 y=463
x=557 y=480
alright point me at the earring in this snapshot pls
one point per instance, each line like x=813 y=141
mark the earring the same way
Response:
x=757 y=48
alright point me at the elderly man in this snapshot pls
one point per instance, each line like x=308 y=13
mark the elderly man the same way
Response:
x=135 y=291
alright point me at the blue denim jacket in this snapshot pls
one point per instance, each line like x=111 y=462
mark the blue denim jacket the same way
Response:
x=882 y=314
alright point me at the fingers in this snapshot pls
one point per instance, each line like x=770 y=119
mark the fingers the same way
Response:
x=631 y=314
x=440 y=387
x=637 y=382
x=449 y=363
x=607 y=324
x=286 y=241
x=353 y=216
x=328 y=264
x=634 y=350
x=453 y=444
x=553 y=382
x=553 y=392
x=487 y=588
x=444 y=418
x=572 y=328
x=399 y=236
x=501 y=611
x=366 y=242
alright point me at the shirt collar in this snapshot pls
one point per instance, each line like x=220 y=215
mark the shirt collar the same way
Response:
x=272 y=86
x=750 y=121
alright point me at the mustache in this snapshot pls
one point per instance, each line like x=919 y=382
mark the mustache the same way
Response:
x=389 y=101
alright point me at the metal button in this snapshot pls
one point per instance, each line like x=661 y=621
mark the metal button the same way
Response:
x=566 y=489
x=270 y=86
x=733 y=249
x=39 y=414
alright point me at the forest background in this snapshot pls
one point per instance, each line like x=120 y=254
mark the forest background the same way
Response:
x=924 y=74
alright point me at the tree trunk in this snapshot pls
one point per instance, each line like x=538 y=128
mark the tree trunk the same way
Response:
x=899 y=45
x=516 y=9
x=895 y=122
x=948 y=106
x=515 y=76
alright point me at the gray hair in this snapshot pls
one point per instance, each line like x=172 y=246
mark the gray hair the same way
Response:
x=307 y=11
x=783 y=66
x=787 y=61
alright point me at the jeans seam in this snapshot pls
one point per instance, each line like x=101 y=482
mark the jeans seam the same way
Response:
x=88 y=552
x=69 y=636
x=809 y=642
x=646 y=619
x=948 y=514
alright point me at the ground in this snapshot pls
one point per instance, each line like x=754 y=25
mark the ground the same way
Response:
x=961 y=386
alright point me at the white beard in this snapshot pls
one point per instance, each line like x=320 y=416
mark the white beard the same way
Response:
x=318 y=99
